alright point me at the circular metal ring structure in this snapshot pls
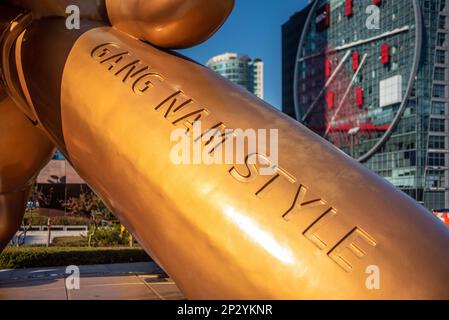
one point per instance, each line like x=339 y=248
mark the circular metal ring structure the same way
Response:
x=324 y=97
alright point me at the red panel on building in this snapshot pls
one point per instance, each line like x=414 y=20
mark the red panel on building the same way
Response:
x=355 y=60
x=330 y=99
x=359 y=96
x=348 y=8
x=327 y=68
x=443 y=216
x=377 y=2
x=385 y=53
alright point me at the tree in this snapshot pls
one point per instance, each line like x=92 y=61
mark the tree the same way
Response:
x=91 y=206
x=35 y=198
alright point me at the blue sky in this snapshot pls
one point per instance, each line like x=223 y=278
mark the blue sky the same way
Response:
x=254 y=28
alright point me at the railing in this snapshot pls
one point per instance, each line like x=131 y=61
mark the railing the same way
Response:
x=54 y=228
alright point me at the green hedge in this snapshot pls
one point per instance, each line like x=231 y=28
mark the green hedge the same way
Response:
x=37 y=220
x=31 y=257
x=69 y=242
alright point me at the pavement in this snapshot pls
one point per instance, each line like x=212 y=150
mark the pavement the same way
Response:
x=124 y=281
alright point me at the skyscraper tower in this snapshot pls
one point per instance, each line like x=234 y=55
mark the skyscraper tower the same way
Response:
x=372 y=77
x=241 y=70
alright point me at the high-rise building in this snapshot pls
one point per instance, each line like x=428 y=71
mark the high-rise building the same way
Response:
x=241 y=70
x=290 y=41
x=372 y=77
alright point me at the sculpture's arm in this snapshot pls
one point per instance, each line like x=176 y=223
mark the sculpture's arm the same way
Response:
x=311 y=229
x=167 y=24
x=24 y=150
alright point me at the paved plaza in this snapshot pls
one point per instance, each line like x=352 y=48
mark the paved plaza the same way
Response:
x=131 y=281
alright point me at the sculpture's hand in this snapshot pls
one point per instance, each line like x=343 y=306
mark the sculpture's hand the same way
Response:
x=164 y=23
x=169 y=23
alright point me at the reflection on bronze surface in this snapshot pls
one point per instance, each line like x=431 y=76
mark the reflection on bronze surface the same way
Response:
x=169 y=23
x=24 y=152
x=89 y=9
x=310 y=231
x=12 y=209
x=312 y=235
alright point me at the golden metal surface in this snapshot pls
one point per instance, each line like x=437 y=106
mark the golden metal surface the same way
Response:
x=310 y=231
x=24 y=152
x=89 y=9
x=13 y=84
x=312 y=235
x=169 y=23
x=12 y=209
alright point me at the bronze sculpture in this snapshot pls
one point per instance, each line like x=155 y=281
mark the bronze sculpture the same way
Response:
x=110 y=102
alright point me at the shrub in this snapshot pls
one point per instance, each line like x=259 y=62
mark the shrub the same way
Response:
x=102 y=237
x=69 y=242
x=70 y=221
x=107 y=236
x=38 y=220
x=30 y=257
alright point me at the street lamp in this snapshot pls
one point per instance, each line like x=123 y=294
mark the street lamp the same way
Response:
x=352 y=133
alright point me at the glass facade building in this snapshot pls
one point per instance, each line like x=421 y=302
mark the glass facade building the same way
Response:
x=372 y=77
x=241 y=70
x=58 y=182
x=290 y=41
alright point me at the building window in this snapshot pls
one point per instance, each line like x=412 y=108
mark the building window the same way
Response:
x=441 y=57
x=438 y=91
x=438 y=108
x=436 y=159
x=435 y=179
x=434 y=200
x=437 y=125
x=441 y=39
x=436 y=142
x=442 y=22
x=439 y=74
x=58 y=156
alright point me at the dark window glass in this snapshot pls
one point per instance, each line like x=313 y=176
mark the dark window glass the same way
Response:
x=437 y=125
